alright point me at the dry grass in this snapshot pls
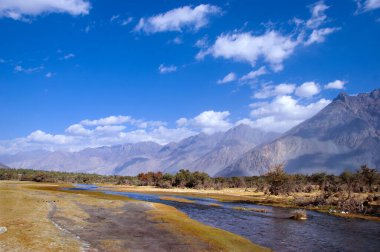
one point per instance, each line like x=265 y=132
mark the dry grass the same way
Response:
x=215 y=205
x=299 y=214
x=257 y=210
x=182 y=200
x=218 y=239
x=25 y=215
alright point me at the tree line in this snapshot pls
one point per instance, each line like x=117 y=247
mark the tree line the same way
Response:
x=344 y=191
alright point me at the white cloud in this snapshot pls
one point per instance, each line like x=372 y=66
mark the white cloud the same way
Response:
x=68 y=56
x=41 y=136
x=178 y=19
x=78 y=129
x=107 y=121
x=114 y=17
x=177 y=40
x=30 y=70
x=337 y=84
x=119 y=120
x=164 y=135
x=202 y=42
x=106 y=129
x=307 y=89
x=228 y=78
x=284 y=88
x=318 y=16
x=87 y=29
x=282 y=113
x=208 y=122
x=127 y=21
x=181 y=122
x=95 y=133
x=254 y=74
x=319 y=35
x=22 y=9
x=367 y=5
x=166 y=69
x=272 y=47
x=371 y=4
x=268 y=91
x=49 y=75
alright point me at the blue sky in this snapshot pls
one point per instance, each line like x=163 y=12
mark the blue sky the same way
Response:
x=87 y=73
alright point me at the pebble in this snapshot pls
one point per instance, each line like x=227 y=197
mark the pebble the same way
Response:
x=3 y=230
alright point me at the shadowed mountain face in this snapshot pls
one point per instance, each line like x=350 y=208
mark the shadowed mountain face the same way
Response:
x=209 y=153
x=344 y=135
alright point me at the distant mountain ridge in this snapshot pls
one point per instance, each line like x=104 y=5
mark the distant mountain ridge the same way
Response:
x=343 y=135
x=209 y=153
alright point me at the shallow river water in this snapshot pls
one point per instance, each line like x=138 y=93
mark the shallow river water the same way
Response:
x=321 y=232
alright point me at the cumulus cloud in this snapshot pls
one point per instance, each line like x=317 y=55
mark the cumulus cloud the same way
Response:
x=283 y=113
x=228 y=78
x=272 y=47
x=337 y=84
x=105 y=131
x=22 y=9
x=78 y=129
x=268 y=91
x=178 y=19
x=208 y=122
x=107 y=120
x=280 y=114
x=167 y=69
x=307 y=89
x=41 y=136
x=120 y=119
x=254 y=74
x=181 y=122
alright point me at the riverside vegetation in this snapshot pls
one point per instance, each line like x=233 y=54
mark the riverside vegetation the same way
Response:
x=349 y=193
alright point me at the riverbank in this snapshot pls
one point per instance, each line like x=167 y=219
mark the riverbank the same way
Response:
x=242 y=195
x=42 y=217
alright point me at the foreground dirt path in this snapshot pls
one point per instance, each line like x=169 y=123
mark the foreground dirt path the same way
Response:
x=39 y=217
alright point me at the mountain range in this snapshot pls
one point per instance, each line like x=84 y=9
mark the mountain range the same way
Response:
x=343 y=135
x=201 y=152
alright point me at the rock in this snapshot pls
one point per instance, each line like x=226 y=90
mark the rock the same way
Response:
x=3 y=230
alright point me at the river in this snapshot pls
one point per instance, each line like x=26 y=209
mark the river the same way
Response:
x=321 y=232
